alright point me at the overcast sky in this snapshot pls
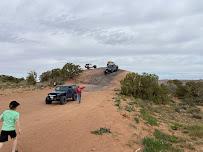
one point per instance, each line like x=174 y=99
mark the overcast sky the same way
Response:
x=159 y=36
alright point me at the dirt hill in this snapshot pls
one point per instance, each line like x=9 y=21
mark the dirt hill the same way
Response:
x=96 y=80
x=67 y=128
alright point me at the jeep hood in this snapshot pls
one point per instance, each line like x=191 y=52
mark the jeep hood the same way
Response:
x=57 y=92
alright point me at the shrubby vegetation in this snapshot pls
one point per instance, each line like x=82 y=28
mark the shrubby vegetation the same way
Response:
x=160 y=142
x=69 y=71
x=138 y=93
x=101 y=131
x=190 y=92
x=144 y=86
x=6 y=78
x=58 y=76
x=10 y=81
x=52 y=76
x=31 y=78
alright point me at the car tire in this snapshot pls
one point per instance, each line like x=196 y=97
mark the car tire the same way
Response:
x=74 y=98
x=48 y=100
x=62 y=100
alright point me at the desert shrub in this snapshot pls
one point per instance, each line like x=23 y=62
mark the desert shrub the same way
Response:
x=190 y=92
x=69 y=71
x=177 y=88
x=194 y=92
x=101 y=131
x=144 y=86
x=11 y=79
x=52 y=76
x=161 y=142
x=31 y=79
x=156 y=145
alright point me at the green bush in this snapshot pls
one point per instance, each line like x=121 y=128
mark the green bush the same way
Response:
x=69 y=71
x=10 y=79
x=31 y=79
x=144 y=86
x=52 y=76
x=190 y=92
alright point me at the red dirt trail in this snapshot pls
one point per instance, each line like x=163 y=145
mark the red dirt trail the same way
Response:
x=67 y=128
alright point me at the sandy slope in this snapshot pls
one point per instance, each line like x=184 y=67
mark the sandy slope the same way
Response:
x=66 y=128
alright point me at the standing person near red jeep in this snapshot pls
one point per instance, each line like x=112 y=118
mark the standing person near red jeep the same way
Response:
x=10 y=119
x=79 y=93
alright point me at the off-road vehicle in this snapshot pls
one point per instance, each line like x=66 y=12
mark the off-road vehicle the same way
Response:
x=90 y=66
x=111 y=67
x=62 y=93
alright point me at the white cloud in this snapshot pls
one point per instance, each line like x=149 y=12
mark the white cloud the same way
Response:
x=156 y=36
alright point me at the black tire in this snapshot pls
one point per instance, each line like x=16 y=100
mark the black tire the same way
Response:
x=62 y=100
x=94 y=66
x=48 y=100
x=74 y=98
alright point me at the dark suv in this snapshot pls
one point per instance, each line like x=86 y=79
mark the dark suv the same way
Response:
x=62 y=93
x=111 y=67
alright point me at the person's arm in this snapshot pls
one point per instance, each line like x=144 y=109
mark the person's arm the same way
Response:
x=1 y=117
x=18 y=126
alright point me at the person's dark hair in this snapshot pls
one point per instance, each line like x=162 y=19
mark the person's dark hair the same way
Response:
x=13 y=105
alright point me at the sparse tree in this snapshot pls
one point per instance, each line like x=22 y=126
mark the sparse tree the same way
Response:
x=31 y=78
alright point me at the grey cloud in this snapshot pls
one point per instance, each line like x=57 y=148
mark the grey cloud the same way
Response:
x=37 y=34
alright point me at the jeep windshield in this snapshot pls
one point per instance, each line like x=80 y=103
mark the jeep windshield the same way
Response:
x=62 y=88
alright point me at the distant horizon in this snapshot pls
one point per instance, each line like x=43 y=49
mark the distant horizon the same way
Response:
x=162 y=75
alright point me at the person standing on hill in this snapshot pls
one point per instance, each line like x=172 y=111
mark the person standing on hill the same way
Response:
x=10 y=119
x=79 y=93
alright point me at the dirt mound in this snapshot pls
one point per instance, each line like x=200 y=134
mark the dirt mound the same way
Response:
x=96 y=79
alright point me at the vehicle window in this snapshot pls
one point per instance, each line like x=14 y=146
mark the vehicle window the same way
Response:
x=57 y=88
x=62 y=88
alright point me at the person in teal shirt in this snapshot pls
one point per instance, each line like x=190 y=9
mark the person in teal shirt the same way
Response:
x=10 y=119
